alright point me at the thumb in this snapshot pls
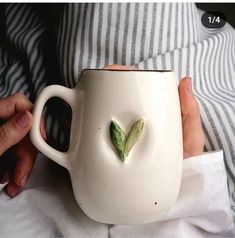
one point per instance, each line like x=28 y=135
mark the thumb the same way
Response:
x=14 y=130
x=193 y=135
x=189 y=104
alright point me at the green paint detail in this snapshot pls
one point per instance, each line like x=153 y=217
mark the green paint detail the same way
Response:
x=133 y=136
x=117 y=138
x=123 y=143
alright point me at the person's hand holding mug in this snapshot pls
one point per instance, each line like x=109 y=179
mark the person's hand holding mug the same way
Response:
x=15 y=112
x=16 y=122
x=193 y=135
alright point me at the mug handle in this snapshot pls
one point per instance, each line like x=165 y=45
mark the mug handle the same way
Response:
x=68 y=95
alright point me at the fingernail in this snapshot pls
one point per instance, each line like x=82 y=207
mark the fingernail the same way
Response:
x=12 y=190
x=190 y=87
x=23 y=119
x=24 y=180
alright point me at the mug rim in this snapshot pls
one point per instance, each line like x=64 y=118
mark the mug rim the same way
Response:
x=129 y=70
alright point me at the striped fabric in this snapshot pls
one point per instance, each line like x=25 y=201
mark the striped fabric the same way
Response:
x=147 y=35
x=28 y=60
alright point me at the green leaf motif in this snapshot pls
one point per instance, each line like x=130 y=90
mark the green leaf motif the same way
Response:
x=133 y=136
x=122 y=143
x=117 y=138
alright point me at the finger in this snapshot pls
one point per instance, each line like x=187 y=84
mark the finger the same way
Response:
x=12 y=189
x=188 y=102
x=13 y=104
x=193 y=136
x=26 y=154
x=193 y=143
x=14 y=130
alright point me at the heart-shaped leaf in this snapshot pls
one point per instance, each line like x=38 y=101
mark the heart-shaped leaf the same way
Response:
x=133 y=136
x=122 y=143
x=118 y=138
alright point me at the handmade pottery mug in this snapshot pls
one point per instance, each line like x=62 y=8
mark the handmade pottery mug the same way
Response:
x=126 y=152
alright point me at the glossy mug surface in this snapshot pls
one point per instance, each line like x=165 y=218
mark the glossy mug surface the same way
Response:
x=141 y=111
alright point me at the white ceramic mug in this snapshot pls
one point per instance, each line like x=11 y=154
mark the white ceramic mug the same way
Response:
x=120 y=182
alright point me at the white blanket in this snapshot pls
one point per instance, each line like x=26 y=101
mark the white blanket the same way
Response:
x=46 y=207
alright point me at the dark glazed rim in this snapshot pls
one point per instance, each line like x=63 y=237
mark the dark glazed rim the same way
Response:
x=131 y=70
x=125 y=70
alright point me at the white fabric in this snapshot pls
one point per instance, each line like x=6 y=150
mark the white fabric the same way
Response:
x=46 y=207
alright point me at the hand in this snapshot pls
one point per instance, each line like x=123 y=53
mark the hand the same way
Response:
x=15 y=112
x=193 y=136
